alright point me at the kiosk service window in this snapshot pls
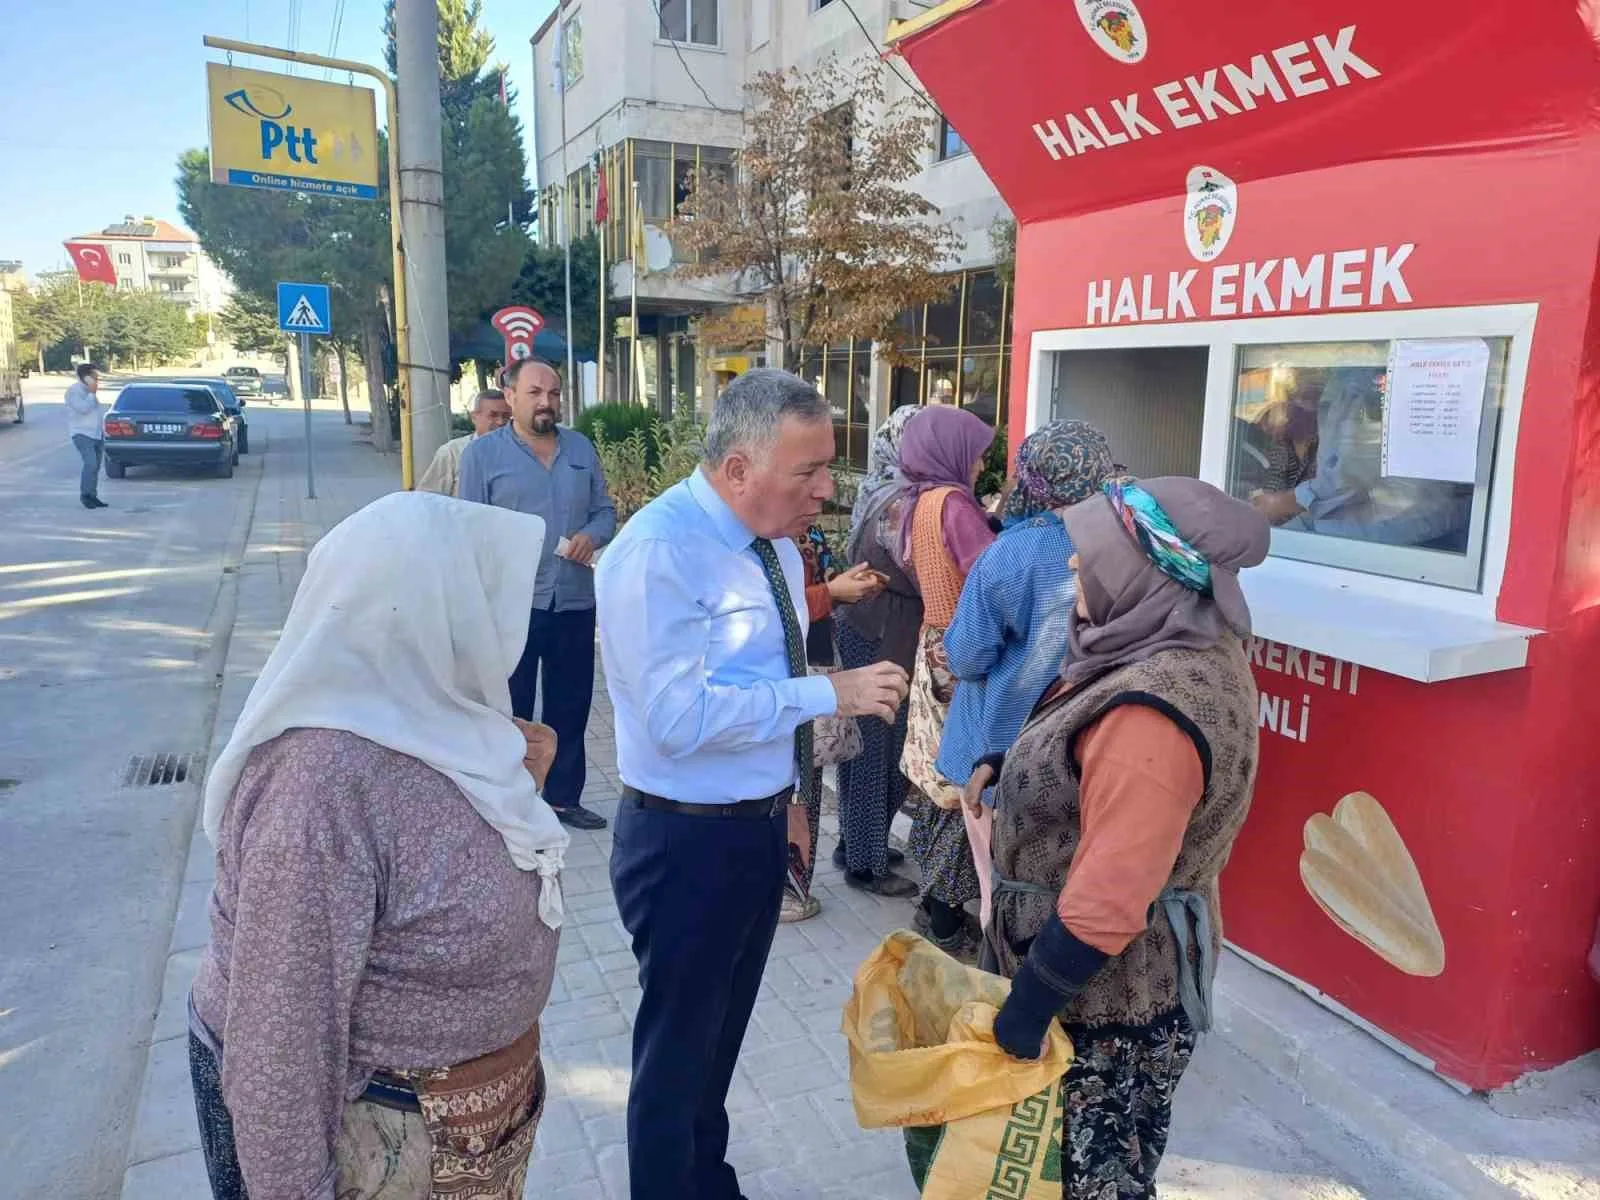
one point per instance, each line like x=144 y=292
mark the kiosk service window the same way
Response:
x=1379 y=445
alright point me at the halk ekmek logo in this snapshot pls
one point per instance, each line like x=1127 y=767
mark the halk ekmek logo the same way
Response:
x=1209 y=212
x=1116 y=27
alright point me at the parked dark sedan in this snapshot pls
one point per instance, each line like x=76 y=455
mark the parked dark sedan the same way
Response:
x=232 y=403
x=169 y=424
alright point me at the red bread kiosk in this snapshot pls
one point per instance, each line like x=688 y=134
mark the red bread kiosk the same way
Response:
x=1340 y=258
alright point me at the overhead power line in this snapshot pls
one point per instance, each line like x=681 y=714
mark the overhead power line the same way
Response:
x=333 y=37
x=886 y=61
x=710 y=103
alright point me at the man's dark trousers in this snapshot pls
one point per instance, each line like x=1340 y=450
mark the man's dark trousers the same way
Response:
x=561 y=645
x=700 y=896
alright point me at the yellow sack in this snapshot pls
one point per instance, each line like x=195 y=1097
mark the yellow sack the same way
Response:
x=979 y=1124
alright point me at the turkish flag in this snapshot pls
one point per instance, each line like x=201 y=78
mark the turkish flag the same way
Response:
x=602 y=202
x=93 y=262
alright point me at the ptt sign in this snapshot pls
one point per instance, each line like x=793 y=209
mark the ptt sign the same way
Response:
x=281 y=132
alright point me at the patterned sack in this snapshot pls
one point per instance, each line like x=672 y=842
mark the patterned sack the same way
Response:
x=979 y=1124
x=833 y=739
x=932 y=688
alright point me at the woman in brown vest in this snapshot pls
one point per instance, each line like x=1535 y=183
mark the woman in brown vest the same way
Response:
x=1116 y=810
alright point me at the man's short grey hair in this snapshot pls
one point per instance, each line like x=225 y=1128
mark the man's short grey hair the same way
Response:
x=750 y=409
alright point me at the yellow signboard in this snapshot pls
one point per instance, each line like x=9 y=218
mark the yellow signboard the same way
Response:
x=302 y=135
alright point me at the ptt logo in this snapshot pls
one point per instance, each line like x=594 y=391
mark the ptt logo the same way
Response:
x=270 y=108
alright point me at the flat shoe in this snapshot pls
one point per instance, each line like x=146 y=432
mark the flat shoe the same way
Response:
x=578 y=817
x=896 y=857
x=891 y=887
x=797 y=908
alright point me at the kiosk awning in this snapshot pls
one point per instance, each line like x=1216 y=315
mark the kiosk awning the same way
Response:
x=1078 y=105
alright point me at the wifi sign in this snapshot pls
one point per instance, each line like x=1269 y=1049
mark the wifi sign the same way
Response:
x=519 y=325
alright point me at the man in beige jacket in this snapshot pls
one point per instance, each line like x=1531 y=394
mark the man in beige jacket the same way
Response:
x=489 y=412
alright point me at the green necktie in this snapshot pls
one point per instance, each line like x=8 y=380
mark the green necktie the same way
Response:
x=795 y=647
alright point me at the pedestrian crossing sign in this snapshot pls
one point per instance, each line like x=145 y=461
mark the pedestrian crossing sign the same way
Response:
x=304 y=308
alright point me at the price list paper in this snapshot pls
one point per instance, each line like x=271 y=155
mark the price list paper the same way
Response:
x=1434 y=408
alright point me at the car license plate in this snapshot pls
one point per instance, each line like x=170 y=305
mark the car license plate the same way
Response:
x=166 y=428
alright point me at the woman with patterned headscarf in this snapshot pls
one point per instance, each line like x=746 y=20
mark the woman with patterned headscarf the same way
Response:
x=882 y=628
x=1009 y=633
x=1117 y=807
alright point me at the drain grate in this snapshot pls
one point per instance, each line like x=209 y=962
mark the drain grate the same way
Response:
x=161 y=770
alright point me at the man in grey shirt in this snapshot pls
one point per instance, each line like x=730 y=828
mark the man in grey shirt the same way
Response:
x=85 y=423
x=534 y=466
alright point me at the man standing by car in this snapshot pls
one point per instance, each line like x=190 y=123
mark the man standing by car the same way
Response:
x=534 y=466
x=489 y=412
x=86 y=424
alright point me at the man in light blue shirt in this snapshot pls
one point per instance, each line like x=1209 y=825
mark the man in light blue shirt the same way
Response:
x=702 y=628
x=86 y=426
x=534 y=466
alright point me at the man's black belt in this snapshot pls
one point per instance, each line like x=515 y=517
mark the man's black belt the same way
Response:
x=750 y=810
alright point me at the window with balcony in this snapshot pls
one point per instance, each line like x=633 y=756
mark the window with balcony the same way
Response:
x=690 y=21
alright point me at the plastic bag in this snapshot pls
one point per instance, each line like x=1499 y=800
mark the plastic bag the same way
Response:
x=978 y=1123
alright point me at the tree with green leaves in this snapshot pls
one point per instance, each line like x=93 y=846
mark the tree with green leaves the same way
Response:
x=250 y=323
x=145 y=325
x=542 y=285
x=63 y=317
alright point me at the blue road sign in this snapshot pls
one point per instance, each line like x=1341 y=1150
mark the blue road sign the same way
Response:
x=304 y=308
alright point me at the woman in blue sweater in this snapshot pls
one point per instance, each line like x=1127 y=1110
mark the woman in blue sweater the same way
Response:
x=1009 y=636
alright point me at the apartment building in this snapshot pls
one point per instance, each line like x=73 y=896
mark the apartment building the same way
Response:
x=649 y=92
x=161 y=257
x=12 y=277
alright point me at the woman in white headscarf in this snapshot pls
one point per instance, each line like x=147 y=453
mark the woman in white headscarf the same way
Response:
x=384 y=922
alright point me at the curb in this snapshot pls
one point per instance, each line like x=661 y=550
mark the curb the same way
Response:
x=1373 y=1092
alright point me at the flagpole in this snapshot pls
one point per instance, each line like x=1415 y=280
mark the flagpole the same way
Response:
x=637 y=215
x=600 y=233
x=566 y=216
x=505 y=103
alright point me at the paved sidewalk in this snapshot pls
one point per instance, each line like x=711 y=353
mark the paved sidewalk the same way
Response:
x=1242 y=1129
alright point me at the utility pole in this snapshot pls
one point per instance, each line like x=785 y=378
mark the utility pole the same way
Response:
x=421 y=157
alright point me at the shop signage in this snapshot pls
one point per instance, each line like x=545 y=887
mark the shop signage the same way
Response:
x=1290 y=716
x=1332 y=279
x=286 y=133
x=1289 y=73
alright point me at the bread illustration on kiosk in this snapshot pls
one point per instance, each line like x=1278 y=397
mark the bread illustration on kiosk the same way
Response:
x=1360 y=873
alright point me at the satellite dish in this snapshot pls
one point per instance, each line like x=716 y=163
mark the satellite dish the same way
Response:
x=657 y=249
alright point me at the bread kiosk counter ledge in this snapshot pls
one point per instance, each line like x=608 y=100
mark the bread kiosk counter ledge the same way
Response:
x=1296 y=252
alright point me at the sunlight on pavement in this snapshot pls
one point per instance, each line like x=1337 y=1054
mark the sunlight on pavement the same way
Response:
x=62 y=565
x=130 y=625
x=15 y=608
x=90 y=577
x=1184 y=1178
